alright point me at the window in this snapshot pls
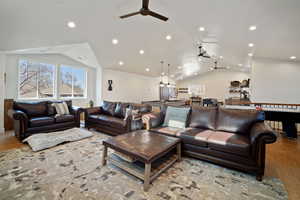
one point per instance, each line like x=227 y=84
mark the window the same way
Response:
x=36 y=80
x=41 y=81
x=72 y=82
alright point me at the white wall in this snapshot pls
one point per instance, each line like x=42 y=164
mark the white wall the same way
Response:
x=216 y=83
x=275 y=81
x=129 y=87
x=12 y=74
x=2 y=64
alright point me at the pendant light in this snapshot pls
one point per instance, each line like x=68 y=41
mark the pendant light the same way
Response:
x=169 y=85
x=161 y=83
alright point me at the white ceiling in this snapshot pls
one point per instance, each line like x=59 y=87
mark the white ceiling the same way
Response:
x=34 y=23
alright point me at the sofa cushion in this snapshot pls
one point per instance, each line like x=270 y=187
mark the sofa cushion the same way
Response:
x=64 y=118
x=109 y=121
x=108 y=108
x=170 y=131
x=120 y=110
x=41 y=121
x=237 y=121
x=195 y=136
x=203 y=117
x=32 y=109
x=229 y=142
x=176 y=117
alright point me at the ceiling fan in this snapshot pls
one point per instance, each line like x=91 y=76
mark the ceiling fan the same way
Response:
x=203 y=53
x=145 y=11
x=216 y=66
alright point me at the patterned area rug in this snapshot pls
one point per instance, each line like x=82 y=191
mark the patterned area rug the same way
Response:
x=73 y=171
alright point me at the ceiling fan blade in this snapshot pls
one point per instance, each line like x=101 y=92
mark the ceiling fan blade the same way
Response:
x=129 y=15
x=145 y=4
x=156 y=15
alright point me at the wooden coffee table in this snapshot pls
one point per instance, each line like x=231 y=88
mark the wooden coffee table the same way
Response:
x=146 y=147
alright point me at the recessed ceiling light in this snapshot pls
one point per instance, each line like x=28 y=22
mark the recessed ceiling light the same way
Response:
x=179 y=67
x=142 y=52
x=115 y=41
x=172 y=76
x=147 y=70
x=71 y=24
x=221 y=57
x=199 y=59
x=252 y=28
x=169 y=37
x=201 y=29
x=293 y=57
x=121 y=63
x=250 y=54
x=241 y=65
x=251 y=45
x=163 y=73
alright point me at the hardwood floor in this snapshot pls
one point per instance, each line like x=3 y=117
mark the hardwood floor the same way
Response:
x=282 y=161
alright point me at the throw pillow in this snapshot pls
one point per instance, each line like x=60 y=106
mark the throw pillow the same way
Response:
x=176 y=117
x=134 y=113
x=61 y=108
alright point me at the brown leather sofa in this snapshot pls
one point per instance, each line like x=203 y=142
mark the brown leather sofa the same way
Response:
x=110 y=117
x=39 y=117
x=232 y=138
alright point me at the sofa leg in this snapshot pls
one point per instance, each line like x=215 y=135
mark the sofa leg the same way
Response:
x=259 y=177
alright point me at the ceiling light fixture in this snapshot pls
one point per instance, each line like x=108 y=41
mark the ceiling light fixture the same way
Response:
x=179 y=67
x=201 y=29
x=241 y=65
x=147 y=70
x=161 y=83
x=169 y=37
x=250 y=54
x=71 y=24
x=199 y=59
x=293 y=57
x=142 y=52
x=251 y=45
x=115 y=41
x=121 y=63
x=252 y=28
x=221 y=57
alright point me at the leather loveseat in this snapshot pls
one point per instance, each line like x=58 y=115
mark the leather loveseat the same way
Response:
x=110 y=117
x=232 y=138
x=40 y=117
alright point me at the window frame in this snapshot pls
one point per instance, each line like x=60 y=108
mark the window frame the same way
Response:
x=59 y=80
x=37 y=85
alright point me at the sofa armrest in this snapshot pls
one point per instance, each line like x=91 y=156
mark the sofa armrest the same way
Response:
x=17 y=115
x=262 y=132
x=20 y=119
x=76 y=110
x=153 y=120
x=90 y=111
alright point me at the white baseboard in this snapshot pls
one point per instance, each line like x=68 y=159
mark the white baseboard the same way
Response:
x=2 y=130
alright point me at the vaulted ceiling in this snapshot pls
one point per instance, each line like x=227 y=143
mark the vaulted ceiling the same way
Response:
x=35 y=23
